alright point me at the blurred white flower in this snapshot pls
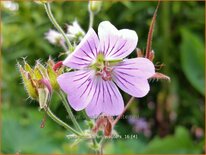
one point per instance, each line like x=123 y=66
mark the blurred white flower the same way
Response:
x=75 y=32
x=12 y=6
x=54 y=37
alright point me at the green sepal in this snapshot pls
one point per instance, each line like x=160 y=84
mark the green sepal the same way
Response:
x=37 y=74
x=52 y=78
x=27 y=67
x=42 y=69
x=29 y=84
x=44 y=97
x=114 y=62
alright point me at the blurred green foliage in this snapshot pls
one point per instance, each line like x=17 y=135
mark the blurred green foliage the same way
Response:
x=177 y=112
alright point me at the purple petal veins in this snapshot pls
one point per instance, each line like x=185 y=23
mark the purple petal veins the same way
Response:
x=93 y=85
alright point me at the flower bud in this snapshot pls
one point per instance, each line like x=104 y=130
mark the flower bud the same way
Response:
x=53 y=71
x=139 y=52
x=151 y=55
x=44 y=90
x=41 y=1
x=52 y=77
x=37 y=74
x=90 y=123
x=95 y=6
x=45 y=83
x=27 y=67
x=36 y=83
x=40 y=81
x=42 y=70
x=29 y=84
x=104 y=123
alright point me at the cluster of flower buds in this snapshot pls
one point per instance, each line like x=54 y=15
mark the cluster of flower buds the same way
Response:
x=40 y=81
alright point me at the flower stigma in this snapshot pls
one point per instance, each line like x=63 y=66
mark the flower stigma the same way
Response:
x=104 y=67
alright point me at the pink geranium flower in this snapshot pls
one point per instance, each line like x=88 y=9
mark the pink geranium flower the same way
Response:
x=99 y=64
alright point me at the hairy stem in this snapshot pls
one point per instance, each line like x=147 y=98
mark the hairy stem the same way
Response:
x=54 y=22
x=127 y=105
x=60 y=122
x=91 y=19
x=69 y=111
x=150 y=34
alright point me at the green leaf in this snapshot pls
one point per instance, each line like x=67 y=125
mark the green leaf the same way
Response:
x=124 y=146
x=21 y=133
x=192 y=59
x=180 y=142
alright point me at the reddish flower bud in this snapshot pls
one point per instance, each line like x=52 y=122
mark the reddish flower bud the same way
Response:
x=57 y=65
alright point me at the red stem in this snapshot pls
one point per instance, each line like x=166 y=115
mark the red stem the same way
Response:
x=150 y=34
x=127 y=105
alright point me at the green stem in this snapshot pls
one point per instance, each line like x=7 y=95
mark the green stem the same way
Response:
x=66 y=105
x=54 y=22
x=101 y=145
x=91 y=19
x=95 y=145
x=60 y=122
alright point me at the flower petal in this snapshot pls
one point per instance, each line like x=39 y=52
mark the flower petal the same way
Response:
x=85 y=53
x=107 y=100
x=131 y=76
x=116 y=44
x=79 y=87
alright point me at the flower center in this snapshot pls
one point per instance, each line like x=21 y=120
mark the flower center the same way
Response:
x=105 y=73
x=104 y=68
